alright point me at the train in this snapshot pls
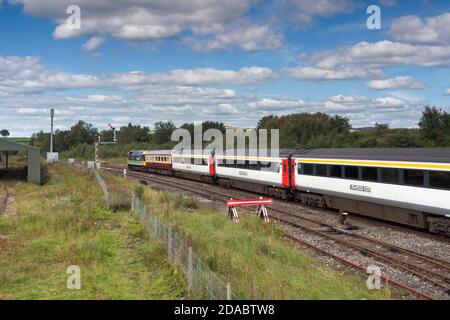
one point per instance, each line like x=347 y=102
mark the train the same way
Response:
x=408 y=186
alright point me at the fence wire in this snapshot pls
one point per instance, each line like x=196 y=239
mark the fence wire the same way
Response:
x=202 y=282
x=102 y=184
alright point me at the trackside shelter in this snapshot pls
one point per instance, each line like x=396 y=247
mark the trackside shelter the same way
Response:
x=33 y=158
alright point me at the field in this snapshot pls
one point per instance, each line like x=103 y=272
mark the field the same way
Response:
x=65 y=223
x=22 y=140
x=252 y=256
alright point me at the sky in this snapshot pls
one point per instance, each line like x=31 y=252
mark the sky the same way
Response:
x=234 y=61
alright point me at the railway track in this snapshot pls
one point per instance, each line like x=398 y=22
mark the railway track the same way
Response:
x=429 y=269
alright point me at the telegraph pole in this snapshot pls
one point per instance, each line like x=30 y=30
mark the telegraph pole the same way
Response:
x=52 y=156
x=52 y=115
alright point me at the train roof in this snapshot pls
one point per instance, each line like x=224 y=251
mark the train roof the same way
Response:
x=441 y=155
x=135 y=153
x=159 y=152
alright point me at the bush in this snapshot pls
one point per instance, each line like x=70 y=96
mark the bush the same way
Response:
x=139 y=191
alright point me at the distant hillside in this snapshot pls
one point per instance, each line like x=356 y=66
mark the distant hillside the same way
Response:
x=23 y=140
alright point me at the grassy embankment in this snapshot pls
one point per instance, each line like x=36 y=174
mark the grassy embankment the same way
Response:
x=64 y=223
x=250 y=255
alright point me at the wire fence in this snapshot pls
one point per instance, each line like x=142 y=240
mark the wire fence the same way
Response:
x=202 y=282
x=104 y=188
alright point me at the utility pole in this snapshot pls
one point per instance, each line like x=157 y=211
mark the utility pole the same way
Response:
x=52 y=156
x=52 y=115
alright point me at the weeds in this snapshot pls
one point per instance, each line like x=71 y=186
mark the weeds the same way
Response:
x=64 y=223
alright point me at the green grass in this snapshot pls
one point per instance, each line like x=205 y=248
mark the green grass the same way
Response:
x=64 y=223
x=252 y=255
x=23 y=140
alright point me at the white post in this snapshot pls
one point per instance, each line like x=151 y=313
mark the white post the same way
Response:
x=125 y=173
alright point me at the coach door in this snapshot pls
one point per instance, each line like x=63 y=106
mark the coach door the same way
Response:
x=292 y=173
x=285 y=172
x=212 y=165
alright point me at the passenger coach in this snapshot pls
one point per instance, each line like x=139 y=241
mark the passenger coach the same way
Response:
x=407 y=186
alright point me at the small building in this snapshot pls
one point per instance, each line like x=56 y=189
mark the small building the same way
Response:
x=33 y=158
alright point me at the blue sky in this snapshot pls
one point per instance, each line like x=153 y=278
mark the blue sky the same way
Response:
x=231 y=61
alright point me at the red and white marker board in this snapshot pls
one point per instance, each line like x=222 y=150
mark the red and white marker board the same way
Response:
x=249 y=202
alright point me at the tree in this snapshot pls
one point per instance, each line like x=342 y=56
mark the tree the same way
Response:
x=132 y=133
x=381 y=126
x=4 y=133
x=435 y=126
x=304 y=129
x=41 y=140
x=163 y=131
x=81 y=132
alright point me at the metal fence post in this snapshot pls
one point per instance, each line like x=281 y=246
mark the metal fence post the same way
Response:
x=210 y=292
x=200 y=278
x=169 y=244
x=228 y=291
x=190 y=273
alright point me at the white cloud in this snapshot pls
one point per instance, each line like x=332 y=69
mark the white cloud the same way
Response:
x=28 y=113
x=104 y=98
x=385 y=53
x=276 y=104
x=340 y=104
x=221 y=109
x=303 y=12
x=93 y=44
x=246 y=36
x=400 y=82
x=365 y=60
x=447 y=92
x=247 y=75
x=158 y=19
x=428 y=31
x=344 y=73
x=27 y=74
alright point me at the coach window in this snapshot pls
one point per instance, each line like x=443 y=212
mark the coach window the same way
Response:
x=440 y=179
x=414 y=177
x=230 y=163
x=336 y=171
x=265 y=166
x=369 y=173
x=352 y=173
x=307 y=168
x=253 y=165
x=390 y=175
x=321 y=170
